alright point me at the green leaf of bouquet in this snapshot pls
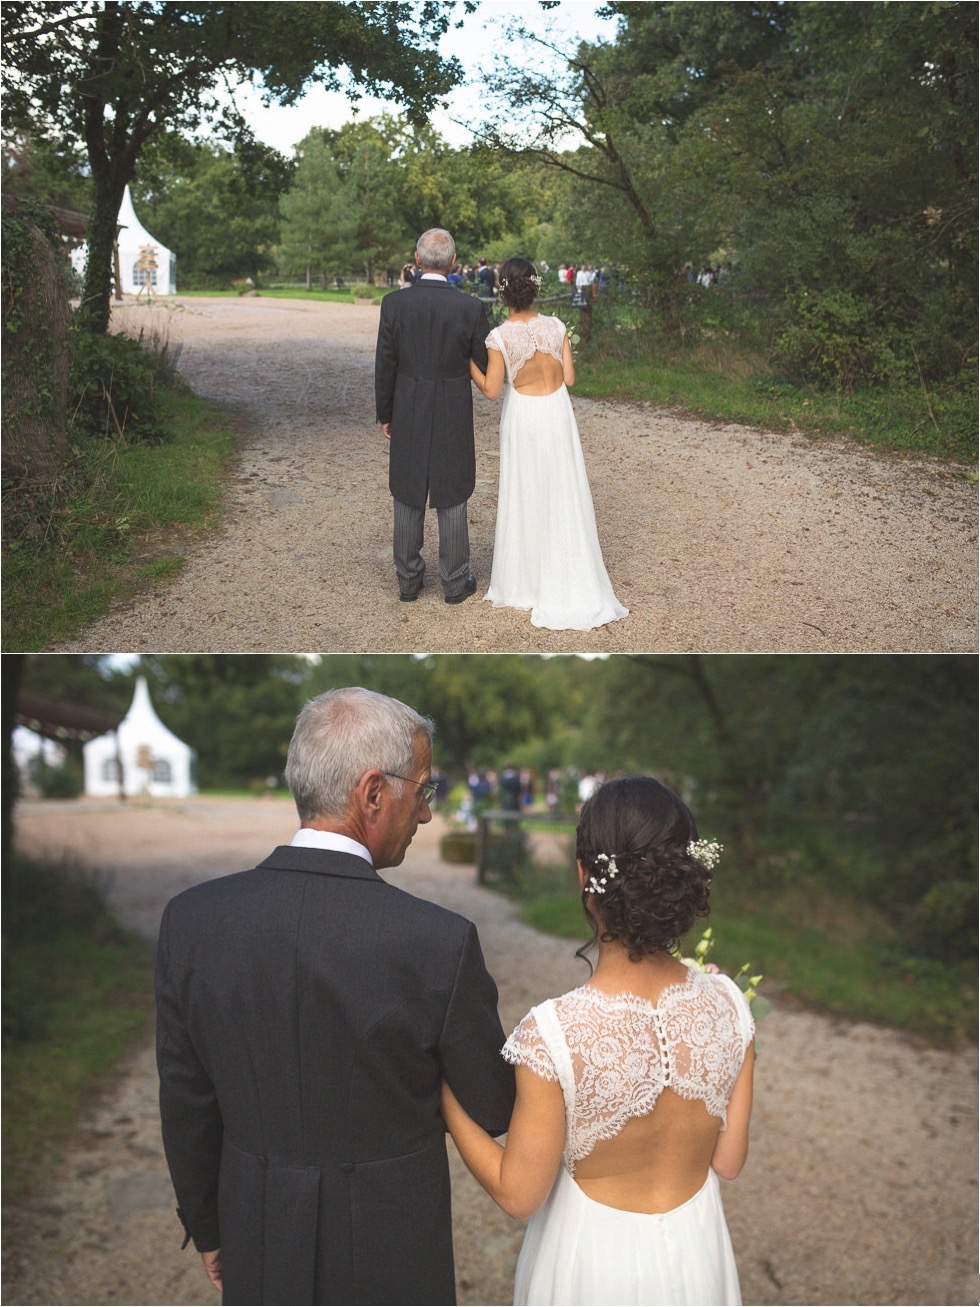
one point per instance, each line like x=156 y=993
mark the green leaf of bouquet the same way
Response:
x=760 y=1007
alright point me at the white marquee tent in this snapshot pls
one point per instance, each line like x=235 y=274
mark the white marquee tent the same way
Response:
x=154 y=761
x=143 y=261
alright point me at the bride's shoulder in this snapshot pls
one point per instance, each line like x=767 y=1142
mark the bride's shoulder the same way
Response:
x=558 y=1003
x=552 y=324
x=574 y=1000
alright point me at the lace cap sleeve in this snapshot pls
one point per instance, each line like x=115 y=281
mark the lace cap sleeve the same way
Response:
x=746 y=1021
x=493 y=340
x=526 y=1047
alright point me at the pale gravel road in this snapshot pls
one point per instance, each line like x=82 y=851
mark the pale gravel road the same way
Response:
x=718 y=538
x=861 y=1184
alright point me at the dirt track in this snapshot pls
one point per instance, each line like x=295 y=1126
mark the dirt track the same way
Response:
x=861 y=1185
x=718 y=538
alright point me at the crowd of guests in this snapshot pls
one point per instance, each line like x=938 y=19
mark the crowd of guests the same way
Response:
x=483 y=277
x=518 y=789
x=708 y=274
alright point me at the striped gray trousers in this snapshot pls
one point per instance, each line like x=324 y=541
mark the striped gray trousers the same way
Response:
x=454 y=548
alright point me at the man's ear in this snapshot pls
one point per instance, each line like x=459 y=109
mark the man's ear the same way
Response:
x=368 y=794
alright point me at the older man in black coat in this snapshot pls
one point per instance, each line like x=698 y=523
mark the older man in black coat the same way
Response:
x=307 y=1014
x=426 y=337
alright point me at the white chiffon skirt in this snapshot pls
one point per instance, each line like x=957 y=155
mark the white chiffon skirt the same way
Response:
x=546 y=554
x=580 y=1253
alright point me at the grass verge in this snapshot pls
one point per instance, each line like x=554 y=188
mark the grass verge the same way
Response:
x=274 y=293
x=126 y=532
x=909 y=421
x=299 y=293
x=77 y=995
x=850 y=964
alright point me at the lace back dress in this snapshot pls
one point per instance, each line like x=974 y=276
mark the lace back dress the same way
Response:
x=546 y=553
x=613 y=1056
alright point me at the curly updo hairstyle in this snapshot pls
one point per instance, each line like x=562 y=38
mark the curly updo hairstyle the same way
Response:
x=518 y=284
x=659 y=890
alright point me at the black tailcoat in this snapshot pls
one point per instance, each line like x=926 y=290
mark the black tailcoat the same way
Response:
x=307 y=1011
x=426 y=337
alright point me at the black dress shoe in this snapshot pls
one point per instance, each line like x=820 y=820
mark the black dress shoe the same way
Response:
x=468 y=589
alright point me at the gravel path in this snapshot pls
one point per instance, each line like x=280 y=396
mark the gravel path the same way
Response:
x=861 y=1185
x=717 y=537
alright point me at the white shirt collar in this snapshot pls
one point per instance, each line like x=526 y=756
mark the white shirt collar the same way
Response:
x=306 y=838
x=434 y=276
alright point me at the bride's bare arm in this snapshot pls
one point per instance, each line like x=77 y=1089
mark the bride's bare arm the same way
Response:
x=732 y=1147
x=567 y=363
x=517 y=1175
x=492 y=382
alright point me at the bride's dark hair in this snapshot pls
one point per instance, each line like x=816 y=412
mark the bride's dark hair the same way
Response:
x=659 y=889
x=518 y=284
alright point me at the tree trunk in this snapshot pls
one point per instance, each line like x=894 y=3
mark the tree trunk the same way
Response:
x=111 y=169
x=93 y=314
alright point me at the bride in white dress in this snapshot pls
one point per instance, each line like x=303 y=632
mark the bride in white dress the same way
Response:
x=634 y=1091
x=546 y=554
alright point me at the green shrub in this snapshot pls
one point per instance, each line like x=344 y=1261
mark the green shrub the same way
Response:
x=42 y=904
x=502 y=850
x=833 y=341
x=115 y=384
x=943 y=924
x=65 y=782
x=458 y=846
x=77 y=993
x=35 y=313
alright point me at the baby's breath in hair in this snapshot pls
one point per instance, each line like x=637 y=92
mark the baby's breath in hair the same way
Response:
x=707 y=852
x=597 y=885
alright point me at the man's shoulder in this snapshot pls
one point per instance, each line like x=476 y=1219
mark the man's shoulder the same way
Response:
x=211 y=891
x=240 y=886
x=428 y=914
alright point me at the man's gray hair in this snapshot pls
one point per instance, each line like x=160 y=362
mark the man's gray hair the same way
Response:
x=436 y=250
x=341 y=735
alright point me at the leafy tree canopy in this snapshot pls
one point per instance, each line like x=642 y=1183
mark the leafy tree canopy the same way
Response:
x=317 y=231
x=113 y=74
x=827 y=151
x=361 y=196
x=49 y=171
x=218 y=206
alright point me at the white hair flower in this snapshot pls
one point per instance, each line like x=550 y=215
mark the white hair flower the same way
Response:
x=597 y=885
x=707 y=852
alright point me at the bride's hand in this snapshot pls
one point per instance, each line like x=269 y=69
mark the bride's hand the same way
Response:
x=450 y=1103
x=454 y=1114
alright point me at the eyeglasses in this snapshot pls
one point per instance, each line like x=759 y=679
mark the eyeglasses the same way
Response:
x=427 y=788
